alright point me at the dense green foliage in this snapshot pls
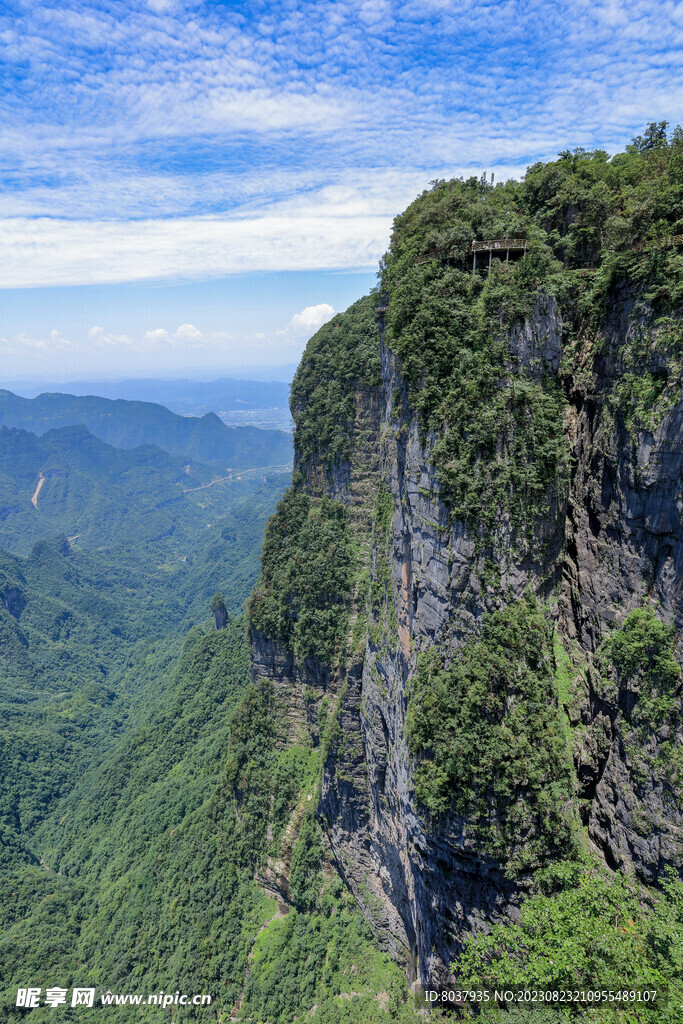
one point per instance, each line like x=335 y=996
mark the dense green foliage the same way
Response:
x=643 y=682
x=642 y=651
x=126 y=424
x=340 y=360
x=86 y=632
x=152 y=892
x=307 y=572
x=310 y=560
x=497 y=427
x=594 y=934
x=304 y=961
x=604 y=931
x=146 y=878
x=489 y=738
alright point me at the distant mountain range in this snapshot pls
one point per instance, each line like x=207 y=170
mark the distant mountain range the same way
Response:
x=67 y=480
x=128 y=424
x=238 y=402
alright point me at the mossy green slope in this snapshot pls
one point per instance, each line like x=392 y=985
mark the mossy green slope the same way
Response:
x=340 y=360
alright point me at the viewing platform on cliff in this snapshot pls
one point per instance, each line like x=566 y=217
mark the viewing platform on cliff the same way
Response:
x=515 y=248
x=510 y=246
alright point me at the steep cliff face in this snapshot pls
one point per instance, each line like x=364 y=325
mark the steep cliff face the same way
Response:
x=500 y=455
x=420 y=882
x=316 y=545
x=625 y=548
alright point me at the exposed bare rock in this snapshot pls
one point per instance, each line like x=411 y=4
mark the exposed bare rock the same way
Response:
x=599 y=548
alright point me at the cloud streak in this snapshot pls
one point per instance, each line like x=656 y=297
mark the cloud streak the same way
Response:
x=59 y=252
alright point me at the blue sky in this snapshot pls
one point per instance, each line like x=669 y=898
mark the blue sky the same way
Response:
x=188 y=187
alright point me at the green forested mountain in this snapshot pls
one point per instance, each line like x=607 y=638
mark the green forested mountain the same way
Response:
x=82 y=632
x=91 y=627
x=478 y=575
x=69 y=481
x=445 y=747
x=126 y=424
x=147 y=873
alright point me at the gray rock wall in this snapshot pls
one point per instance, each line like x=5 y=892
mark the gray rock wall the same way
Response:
x=422 y=887
x=625 y=547
x=613 y=540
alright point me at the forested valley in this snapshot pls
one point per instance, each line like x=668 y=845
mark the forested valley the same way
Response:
x=138 y=766
x=111 y=560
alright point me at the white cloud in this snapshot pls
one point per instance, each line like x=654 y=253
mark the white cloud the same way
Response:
x=98 y=340
x=106 y=339
x=236 y=194
x=373 y=11
x=311 y=317
x=188 y=332
x=157 y=336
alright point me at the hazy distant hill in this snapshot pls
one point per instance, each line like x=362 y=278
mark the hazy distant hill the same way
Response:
x=127 y=424
x=190 y=397
x=69 y=481
x=236 y=402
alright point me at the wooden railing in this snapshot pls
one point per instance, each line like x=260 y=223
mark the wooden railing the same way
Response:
x=506 y=245
x=516 y=245
x=498 y=243
x=437 y=254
